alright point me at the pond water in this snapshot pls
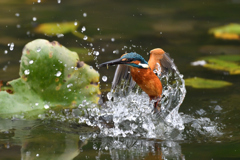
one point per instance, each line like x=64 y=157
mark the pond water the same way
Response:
x=206 y=125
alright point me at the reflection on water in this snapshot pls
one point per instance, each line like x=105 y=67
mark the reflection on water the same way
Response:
x=133 y=148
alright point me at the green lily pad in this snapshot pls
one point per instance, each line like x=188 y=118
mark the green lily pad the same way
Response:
x=229 y=32
x=206 y=83
x=224 y=62
x=56 y=29
x=50 y=76
x=232 y=58
x=216 y=64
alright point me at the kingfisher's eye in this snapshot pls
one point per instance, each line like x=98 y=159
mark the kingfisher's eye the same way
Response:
x=130 y=59
x=127 y=59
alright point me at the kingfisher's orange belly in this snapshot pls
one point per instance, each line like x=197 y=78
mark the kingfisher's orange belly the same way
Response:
x=148 y=81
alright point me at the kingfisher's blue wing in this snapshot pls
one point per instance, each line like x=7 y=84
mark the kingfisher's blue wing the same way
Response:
x=122 y=74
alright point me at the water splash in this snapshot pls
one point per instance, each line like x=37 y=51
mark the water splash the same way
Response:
x=27 y=72
x=83 y=29
x=38 y=49
x=34 y=18
x=84 y=14
x=58 y=74
x=31 y=62
x=11 y=46
x=104 y=78
x=174 y=92
x=85 y=37
x=128 y=112
x=133 y=148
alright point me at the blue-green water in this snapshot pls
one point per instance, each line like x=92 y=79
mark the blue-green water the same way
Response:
x=211 y=116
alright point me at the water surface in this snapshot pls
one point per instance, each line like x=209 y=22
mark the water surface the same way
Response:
x=210 y=117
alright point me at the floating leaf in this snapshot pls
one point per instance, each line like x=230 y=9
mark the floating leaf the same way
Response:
x=224 y=62
x=217 y=64
x=232 y=58
x=229 y=32
x=50 y=76
x=205 y=83
x=57 y=29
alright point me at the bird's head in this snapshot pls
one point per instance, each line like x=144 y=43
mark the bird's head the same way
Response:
x=130 y=59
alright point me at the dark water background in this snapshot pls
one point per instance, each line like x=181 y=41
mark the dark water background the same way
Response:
x=180 y=27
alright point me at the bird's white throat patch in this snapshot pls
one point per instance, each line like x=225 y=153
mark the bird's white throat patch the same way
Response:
x=143 y=65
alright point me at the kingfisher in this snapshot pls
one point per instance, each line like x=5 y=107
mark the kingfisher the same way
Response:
x=142 y=72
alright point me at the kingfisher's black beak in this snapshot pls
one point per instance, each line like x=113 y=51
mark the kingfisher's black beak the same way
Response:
x=112 y=62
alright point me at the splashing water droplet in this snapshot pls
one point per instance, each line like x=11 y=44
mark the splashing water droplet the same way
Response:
x=85 y=38
x=83 y=29
x=38 y=49
x=11 y=46
x=5 y=68
x=75 y=23
x=69 y=85
x=39 y=1
x=46 y=106
x=59 y=1
x=116 y=51
x=60 y=35
x=58 y=74
x=112 y=39
x=84 y=14
x=31 y=62
x=5 y=52
x=27 y=72
x=109 y=96
x=130 y=113
x=218 y=108
x=17 y=14
x=34 y=18
x=104 y=78
x=96 y=53
x=199 y=63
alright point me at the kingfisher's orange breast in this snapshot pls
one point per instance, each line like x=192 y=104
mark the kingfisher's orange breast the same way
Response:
x=148 y=81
